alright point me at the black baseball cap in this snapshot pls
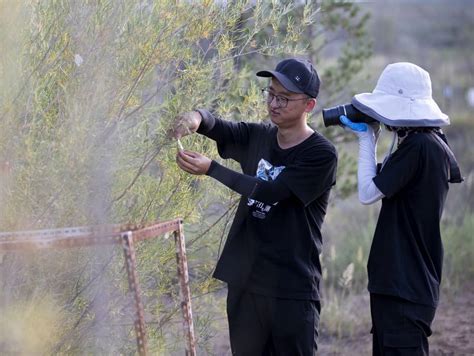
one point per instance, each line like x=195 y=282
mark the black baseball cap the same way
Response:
x=296 y=75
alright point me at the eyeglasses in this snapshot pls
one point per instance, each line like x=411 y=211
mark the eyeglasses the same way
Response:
x=281 y=101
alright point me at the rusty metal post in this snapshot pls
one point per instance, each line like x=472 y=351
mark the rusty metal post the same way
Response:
x=131 y=265
x=185 y=292
x=127 y=235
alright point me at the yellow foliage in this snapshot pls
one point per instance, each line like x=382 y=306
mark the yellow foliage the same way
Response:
x=224 y=46
x=30 y=327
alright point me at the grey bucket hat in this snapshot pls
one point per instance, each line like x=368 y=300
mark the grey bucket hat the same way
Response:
x=402 y=98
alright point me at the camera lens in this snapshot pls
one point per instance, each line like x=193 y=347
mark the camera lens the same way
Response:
x=331 y=115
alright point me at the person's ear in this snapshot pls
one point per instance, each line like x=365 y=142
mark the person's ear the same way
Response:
x=310 y=105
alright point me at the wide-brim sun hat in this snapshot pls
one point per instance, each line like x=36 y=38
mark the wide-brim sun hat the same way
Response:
x=402 y=98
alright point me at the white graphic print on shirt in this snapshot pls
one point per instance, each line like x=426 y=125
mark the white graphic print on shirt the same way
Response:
x=265 y=171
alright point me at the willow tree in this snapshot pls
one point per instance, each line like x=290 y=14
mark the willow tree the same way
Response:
x=89 y=91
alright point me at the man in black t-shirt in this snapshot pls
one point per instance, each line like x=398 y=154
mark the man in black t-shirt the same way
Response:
x=270 y=261
x=406 y=256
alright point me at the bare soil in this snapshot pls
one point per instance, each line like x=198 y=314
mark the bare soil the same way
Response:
x=453 y=330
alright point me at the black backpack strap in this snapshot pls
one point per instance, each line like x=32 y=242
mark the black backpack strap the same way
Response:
x=454 y=170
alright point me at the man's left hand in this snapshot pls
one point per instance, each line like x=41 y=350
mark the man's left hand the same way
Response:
x=193 y=162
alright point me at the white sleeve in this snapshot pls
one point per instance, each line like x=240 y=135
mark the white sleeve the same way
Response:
x=367 y=169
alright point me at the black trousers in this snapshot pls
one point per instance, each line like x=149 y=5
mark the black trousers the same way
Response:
x=399 y=327
x=261 y=325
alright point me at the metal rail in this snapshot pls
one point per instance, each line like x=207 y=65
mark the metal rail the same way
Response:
x=126 y=235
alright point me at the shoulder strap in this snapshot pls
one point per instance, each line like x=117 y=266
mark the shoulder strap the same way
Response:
x=454 y=171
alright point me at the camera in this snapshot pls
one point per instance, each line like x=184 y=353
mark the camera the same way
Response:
x=331 y=115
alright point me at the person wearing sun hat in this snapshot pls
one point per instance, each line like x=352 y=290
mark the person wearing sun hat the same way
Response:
x=270 y=260
x=406 y=256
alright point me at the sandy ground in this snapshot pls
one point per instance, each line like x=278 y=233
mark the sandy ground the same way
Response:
x=453 y=329
x=453 y=332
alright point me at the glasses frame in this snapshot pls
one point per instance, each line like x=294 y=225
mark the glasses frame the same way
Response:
x=281 y=101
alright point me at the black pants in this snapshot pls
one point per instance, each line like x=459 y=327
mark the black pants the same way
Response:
x=261 y=325
x=400 y=327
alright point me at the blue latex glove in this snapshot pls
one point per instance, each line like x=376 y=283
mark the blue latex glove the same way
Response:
x=354 y=126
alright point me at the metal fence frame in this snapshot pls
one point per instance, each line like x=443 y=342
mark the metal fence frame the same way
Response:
x=127 y=236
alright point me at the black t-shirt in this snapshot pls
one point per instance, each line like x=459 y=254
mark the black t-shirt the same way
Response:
x=407 y=254
x=273 y=248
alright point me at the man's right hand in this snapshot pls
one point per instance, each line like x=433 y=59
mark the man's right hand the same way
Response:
x=185 y=124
